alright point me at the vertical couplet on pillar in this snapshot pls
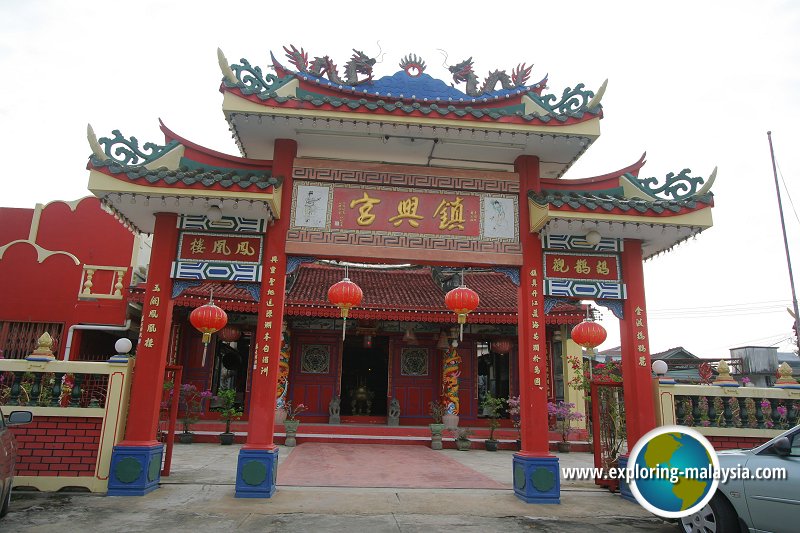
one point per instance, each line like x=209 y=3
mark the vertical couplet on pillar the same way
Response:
x=636 y=378
x=531 y=324
x=153 y=344
x=269 y=338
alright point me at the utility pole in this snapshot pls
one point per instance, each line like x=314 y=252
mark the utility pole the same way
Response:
x=785 y=243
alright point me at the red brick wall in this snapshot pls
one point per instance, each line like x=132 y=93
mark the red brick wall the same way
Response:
x=731 y=443
x=58 y=446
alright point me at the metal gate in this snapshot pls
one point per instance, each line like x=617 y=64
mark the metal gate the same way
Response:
x=608 y=429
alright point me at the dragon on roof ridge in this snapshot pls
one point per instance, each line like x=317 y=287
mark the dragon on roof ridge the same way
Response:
x=359 y=64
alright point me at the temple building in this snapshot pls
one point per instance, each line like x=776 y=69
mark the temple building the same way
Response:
x=383 y=242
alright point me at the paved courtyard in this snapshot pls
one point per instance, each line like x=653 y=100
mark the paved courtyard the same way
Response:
x=198 y=496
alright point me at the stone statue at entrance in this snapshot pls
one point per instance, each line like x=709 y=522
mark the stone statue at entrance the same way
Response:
x=334 y=408
x=361 y=401
x=394 y=413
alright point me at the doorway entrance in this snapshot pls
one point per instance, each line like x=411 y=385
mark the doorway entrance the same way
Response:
x=365 y=375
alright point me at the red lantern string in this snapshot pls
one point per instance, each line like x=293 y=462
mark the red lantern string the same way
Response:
x=462 y=301
x=344 y=295
x=589 y=333
x=208 y=319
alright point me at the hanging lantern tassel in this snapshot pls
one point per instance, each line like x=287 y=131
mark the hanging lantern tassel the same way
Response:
x=462 y=301
x=344 y=295
x=208 y=319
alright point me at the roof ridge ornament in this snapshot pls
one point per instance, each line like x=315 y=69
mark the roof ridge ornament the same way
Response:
x=225 y=67
x=411 y=63
x=359 y=64
x=126 y=151
x=595 y=101
x=463 y=73
x=675 y=187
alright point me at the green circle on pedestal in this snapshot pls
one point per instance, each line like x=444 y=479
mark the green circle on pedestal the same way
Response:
x=128 y=470
x=519 y=477
x=543 y=479
x=154 y=469
x=254 y=473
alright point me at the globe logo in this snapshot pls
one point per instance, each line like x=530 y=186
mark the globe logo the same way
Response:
x=673 y=471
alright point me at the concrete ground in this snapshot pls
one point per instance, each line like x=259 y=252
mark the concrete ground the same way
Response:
x=198 y=496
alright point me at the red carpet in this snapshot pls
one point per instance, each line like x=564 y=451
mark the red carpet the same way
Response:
x=317 y=464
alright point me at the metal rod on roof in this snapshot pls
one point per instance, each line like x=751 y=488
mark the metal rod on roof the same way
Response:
x=785 y=242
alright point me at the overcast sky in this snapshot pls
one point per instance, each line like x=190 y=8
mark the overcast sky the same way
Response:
x=694 y=84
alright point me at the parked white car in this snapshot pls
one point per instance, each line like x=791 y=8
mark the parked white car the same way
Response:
x=756 y=505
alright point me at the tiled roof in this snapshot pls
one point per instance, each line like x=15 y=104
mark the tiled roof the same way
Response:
x=199 y=176
x=613 y=200
x=407 y=294
x=433 y=110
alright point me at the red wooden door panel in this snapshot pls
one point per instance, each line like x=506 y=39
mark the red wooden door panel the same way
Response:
x=314 y=374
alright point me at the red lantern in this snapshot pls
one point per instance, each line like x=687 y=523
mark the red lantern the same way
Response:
x=344 y=295
x=589 y=334
x=462 y=301
x=208 y=319
x=230 y=334
x=501 y=346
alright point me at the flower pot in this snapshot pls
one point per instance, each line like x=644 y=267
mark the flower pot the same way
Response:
x=463 y=444
x=186 y=438
x=563 y=447
x=450 y=422
x=226 y=439
x=280 y=415
x=436 y=429
x=291 y=432
x=491 y=445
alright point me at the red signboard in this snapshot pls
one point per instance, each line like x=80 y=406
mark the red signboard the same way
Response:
x=406 y=211
x=582 y=266
x=219 y=247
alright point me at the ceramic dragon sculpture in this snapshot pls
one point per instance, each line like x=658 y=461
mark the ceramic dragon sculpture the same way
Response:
x=359 y=64
x=283 y=370
x=462 y=72
x=450 y=373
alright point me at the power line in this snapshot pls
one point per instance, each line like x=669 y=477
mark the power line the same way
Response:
x=788 y=194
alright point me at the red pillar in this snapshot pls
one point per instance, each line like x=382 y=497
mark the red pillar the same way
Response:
x=151 y=352
x=536 y=472
x=531 y=327
x=639 y=407
x=270 y=310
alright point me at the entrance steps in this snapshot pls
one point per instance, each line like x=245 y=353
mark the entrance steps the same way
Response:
x=208 y=431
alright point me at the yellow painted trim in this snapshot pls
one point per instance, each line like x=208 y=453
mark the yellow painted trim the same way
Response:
x=72 y=204
x=629 y=190
x=101 y=184
x=33 y=232
x=170 y=160
x=745 y=392
x=90 y=412
x=67 y=367
x=232 y=103
x=56 y=483
x=288 y=90
x=116 y=414
x=537 y=214
x=700 y=218
x=739 y=432
x=570 y=348
x=532 y=107
x=42 y=254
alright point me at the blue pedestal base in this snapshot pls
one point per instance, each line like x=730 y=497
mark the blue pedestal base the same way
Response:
x=135 y=470
x=624 y=489
x=256 y=472
x=537 y=479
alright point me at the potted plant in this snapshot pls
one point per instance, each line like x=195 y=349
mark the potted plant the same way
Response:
x=292 y=422
x=565 y=414
x=491 y=408
x=461 y=436
x=437 y=411
x=192 y=402
x=514 y=414
x=228 y=411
